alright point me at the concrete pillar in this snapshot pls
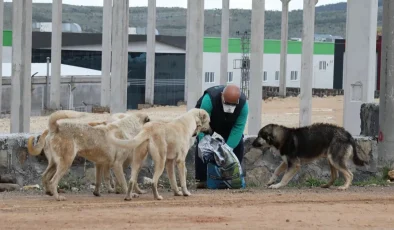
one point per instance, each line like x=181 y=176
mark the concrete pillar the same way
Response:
x=119 y=56
x=360 y=60
x=283 y=50
x=125 y=57
x=150 y=54
x=224 y=41
x=256 y=66
x=1 y=48
x=106 y=54
x=187 y=52
x=308 y=31
x=386 y=102
x=21 y=66
x=56 y=54
x=195 y=49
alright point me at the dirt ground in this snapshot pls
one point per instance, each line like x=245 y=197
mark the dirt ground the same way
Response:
x=274 y=110
x=288 y=208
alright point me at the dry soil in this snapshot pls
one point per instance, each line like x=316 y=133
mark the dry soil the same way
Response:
x=288 y=208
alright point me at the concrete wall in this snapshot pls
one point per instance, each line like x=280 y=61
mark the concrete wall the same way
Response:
x=7 y=54
x=323 y=78
x=257 y=166
x=87 y=90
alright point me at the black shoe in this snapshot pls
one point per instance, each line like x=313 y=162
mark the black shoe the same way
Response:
x=201 y=184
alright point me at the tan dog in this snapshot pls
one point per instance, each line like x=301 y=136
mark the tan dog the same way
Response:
x=167 y=142
x=64 y=140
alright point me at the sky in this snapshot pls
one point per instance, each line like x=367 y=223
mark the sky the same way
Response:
x=209 y=4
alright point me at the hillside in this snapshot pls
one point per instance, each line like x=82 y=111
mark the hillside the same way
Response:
x=330 y=19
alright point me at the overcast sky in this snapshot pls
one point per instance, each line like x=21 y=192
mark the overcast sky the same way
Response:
x=209 y=4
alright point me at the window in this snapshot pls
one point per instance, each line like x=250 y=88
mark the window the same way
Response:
x=322 y=65
x=209 y=77
x=276 y=75
x=294 y=75
x=265 y=76
x=230 y=77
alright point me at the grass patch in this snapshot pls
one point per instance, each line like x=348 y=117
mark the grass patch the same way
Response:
x=315 y=182
x=70 y=181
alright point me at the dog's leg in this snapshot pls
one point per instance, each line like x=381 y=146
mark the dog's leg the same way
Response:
x=279 y=170
x=159 y=168
x=61 y=169
x=140 y=154
x=119 y=174
x=108 y=179
x=334 y=175
x=47 y=176
x=182 y=176
x=347 y=174
x=99 y=174
x=133 y=180
x=138 y=190
x=170 y=166
x=339 y=162
x=291 y=171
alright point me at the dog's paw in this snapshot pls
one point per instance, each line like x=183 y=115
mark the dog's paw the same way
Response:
x=275 y=186
x=61 y=198
x=127 y=198
x=178 y=193
x=96 y=193
x=49 y=193
x=270 y=183
x=342 y=188
x=325 y=186
x=158 y=197
x=142 y=191
x=186 y=193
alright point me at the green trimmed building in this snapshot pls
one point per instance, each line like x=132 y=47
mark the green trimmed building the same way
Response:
x=84 y=50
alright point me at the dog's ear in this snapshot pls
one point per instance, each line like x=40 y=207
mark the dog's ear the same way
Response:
x=203 y=115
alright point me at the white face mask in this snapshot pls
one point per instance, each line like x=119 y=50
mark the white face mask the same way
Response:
x=228 y=108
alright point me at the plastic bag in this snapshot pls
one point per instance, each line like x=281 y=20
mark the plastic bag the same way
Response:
x=208 y=149
x=223 y=167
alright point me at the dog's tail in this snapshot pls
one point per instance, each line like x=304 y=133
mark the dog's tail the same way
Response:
x=36 y=150
x=61 y=114
x=356 y=157
x=128 y=144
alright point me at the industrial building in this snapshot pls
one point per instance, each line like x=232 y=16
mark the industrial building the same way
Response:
x=84 y=50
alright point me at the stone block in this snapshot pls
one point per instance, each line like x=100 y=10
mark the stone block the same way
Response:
x=369 y=115
x=258 y=166
x=100 y=109
x=7 y=179
x=3 y=159
x=9 y=187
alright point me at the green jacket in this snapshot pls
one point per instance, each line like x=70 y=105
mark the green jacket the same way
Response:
x=238 y=128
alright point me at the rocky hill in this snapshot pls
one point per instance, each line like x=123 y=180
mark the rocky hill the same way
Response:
x=330 y=19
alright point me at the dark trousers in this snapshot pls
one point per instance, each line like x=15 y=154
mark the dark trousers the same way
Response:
x=201 y=168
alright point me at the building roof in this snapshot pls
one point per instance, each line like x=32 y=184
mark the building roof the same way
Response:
x=41 y=70
x=211 y=44
x=43 y=39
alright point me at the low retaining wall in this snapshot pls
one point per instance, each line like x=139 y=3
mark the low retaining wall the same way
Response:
x=273 y=91
x=258 y=166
